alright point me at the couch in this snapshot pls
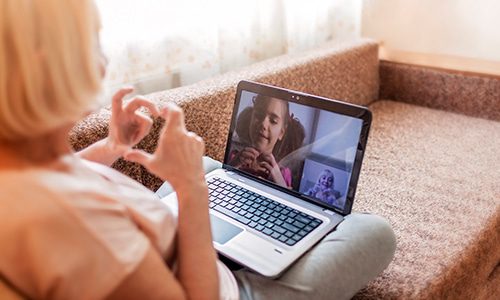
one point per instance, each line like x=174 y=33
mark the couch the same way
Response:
x=432 y=165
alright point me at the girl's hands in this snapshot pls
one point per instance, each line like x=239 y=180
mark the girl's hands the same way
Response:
x=268 y=162
x=178 y=156
x=245 y=158
x=128 y=126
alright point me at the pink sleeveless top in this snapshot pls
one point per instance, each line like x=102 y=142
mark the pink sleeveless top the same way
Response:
x=78 y=234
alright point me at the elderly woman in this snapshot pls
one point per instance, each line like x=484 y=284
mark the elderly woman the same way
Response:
x=73 y=228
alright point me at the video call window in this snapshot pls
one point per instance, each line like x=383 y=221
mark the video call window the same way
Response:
x=305 y=149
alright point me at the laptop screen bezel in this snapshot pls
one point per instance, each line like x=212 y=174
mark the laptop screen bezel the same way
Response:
x=331 y=105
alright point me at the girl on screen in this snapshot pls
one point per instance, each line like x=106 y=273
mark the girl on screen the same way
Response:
x=324 y=188
x=268 y=133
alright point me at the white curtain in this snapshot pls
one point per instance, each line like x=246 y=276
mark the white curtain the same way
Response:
x=160 y=44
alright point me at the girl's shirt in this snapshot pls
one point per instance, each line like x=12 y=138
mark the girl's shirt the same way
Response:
x=77 y=229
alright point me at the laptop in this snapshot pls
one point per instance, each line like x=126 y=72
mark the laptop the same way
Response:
x=288 y=178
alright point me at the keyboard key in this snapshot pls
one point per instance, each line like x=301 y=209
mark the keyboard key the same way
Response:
x=315 y=223
x=252 y=224
x=259 y=227
x=267 y=231
x=298 y=224
x=275 y=235
x=308 y=228
x=282 y=239
x=231 y=214
x=290 y=227
x=290 y=242
x=302 y=219
x=279 y=229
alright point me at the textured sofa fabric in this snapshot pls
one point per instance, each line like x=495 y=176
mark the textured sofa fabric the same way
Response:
x=470 y=94
x=435 y=176
x=432 y=173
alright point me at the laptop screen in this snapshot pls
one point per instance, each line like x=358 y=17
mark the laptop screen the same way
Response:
x=309 y=150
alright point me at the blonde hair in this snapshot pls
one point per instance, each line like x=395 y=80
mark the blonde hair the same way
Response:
x=49 y=65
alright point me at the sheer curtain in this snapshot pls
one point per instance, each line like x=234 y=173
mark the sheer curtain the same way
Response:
x=161 y=44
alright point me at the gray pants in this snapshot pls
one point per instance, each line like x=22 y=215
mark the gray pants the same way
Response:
x=343 y=262
x=358 y=250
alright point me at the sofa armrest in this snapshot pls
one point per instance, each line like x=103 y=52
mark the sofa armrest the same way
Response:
x=468 y=93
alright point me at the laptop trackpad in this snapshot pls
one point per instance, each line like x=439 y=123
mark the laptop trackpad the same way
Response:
x=223 y=231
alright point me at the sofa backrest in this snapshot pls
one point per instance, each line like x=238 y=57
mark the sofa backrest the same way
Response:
x=344 y=70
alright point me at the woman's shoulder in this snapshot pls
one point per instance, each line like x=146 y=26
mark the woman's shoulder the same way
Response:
x=23 y=199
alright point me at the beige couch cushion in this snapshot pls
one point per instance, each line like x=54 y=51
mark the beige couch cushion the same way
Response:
x=435 y=175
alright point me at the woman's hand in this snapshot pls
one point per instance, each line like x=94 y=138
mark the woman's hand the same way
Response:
x=268 y=162
x=128 y=126
x=178 y=156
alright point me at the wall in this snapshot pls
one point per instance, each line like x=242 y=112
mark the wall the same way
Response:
x=465 y=28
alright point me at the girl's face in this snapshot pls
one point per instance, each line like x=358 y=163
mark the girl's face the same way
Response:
x=267 y=125
x=326 y=180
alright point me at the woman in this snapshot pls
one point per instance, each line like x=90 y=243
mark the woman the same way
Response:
x=76 y=229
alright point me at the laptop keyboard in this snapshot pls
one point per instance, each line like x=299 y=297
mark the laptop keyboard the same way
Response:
x=278 y=221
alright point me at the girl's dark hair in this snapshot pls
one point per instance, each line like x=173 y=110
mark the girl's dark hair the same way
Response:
x=294 y=131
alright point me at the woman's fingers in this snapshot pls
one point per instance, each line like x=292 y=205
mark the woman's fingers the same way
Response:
x=139 y=156
x=174 y=117
x=117 y=101
x=139 y=102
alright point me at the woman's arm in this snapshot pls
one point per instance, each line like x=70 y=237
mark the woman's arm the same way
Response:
x=150 y=280
x=178 y=159
x=102 y=152
x=127 y=127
